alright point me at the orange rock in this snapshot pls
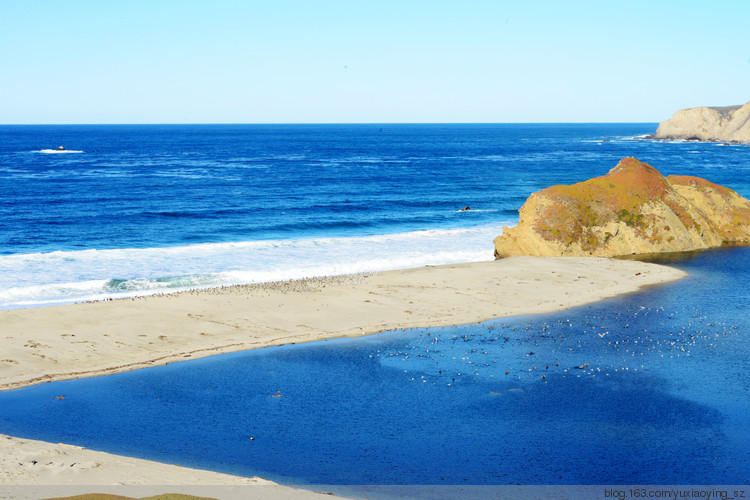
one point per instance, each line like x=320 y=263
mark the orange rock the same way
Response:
x=632 y=210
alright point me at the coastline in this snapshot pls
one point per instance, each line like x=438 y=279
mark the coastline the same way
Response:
x=91 y=339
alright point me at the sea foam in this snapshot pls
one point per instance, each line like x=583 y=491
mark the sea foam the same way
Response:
x=60 y=277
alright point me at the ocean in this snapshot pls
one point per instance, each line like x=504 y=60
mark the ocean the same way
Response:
x=140 y=209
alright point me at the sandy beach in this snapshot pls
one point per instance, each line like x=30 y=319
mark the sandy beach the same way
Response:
x=92 y=339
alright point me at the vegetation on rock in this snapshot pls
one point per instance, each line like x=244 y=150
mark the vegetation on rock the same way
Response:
x=631 y=209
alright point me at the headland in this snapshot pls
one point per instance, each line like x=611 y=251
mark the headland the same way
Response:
x=712 y=124
x=631 y=210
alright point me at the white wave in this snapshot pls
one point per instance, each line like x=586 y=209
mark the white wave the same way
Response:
x=617 y=139
x=82 y=275
x=479 y=210
x=639 y=137
x=42 y=293
x=58 y=151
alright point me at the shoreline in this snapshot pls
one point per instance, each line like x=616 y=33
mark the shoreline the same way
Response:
x=37 y=469
x=99 y=338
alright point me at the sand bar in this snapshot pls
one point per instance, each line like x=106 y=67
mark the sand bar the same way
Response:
x=80 y=340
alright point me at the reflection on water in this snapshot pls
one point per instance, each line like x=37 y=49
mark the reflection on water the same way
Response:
x=649 y=388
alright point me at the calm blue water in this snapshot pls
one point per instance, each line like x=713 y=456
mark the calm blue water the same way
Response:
x=147 y=209
x=649 y=388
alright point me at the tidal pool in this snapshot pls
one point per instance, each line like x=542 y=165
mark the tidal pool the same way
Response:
x=647 y=388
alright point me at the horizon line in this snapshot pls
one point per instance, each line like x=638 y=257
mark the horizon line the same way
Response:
x=329 y=123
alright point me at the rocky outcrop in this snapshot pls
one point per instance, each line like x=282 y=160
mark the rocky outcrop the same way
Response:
x=632 y=210
x=723 y=124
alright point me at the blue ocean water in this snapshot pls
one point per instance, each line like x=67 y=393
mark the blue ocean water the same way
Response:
x=647 y=388
x=132 y=210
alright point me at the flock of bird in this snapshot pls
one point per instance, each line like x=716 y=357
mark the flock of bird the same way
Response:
x=520 y=350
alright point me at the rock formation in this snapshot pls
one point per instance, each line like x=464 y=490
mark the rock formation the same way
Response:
x=632 y=210
x=725 y=124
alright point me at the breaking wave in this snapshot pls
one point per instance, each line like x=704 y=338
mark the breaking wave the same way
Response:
x=28 y=280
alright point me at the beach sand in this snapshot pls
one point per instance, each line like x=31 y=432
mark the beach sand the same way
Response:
x=91 y=339
x=35 y=469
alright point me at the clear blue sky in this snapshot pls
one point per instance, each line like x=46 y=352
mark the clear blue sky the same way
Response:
x=281 y=61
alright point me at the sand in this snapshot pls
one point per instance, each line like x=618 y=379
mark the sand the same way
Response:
x=35 y=469
x=91 y=339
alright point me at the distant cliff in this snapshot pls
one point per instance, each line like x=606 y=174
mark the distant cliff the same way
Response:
x=726 y=124
x=633 y=209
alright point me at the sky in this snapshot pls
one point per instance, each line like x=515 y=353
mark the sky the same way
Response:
x=384 y=61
